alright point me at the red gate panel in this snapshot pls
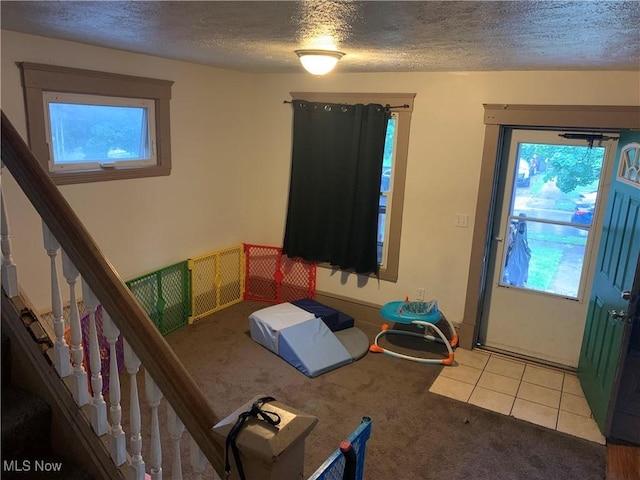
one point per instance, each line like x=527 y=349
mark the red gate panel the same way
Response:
x=273 y=277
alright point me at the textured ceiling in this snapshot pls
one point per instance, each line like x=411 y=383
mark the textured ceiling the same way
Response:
x=376 y=36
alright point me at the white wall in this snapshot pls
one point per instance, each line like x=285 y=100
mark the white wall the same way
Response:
x=141 y=225
x=231 y=139
x=445 y=149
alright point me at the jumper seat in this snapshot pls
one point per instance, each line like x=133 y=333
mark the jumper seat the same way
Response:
x=422 y=314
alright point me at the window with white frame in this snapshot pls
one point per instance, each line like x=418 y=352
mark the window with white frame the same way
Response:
x=86 y=132
x=87 y=126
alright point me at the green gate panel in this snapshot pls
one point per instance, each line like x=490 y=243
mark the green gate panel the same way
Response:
x=166 y=296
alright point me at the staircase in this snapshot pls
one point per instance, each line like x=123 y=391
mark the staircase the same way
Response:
x=26 y=432
x=89 y=430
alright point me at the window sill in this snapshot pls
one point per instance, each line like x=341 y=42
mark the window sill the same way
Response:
x=69 y=178
x=383 y=274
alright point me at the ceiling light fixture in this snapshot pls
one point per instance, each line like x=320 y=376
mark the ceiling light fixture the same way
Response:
x=319 y=62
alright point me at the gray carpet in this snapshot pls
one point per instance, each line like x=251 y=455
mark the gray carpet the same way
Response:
x=415 y=434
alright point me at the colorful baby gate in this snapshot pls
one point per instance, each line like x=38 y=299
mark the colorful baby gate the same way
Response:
x=347 y=461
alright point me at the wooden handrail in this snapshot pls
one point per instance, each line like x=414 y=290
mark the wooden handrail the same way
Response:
x=156 y=356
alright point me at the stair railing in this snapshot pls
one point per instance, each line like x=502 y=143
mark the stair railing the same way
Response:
x=165 y=375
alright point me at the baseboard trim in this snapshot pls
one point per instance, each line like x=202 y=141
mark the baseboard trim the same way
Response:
x=360 y=310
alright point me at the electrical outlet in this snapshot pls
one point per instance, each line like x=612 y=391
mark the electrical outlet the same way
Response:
x=420 y=294
x=462 y=220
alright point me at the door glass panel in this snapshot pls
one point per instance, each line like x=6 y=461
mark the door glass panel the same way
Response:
x=555 y=188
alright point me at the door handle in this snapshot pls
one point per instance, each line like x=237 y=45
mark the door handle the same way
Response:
x=617 y=317
x=626 y=295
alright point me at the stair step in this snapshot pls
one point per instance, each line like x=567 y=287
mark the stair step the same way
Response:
x=6 y=360
x=26 y=424
x=26 y=433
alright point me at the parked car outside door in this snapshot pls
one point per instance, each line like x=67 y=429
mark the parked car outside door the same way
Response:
x=524 y=174
x=585 y=206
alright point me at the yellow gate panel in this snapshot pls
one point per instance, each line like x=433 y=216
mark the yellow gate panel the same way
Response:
x=217 y=281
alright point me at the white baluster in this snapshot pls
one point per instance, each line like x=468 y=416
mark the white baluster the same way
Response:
x=117 y=446
x=79 y=383
x=176 y=429
x=198 y=460
x=98 y=405
x=154 y=395
x=61 y=360
x=9 y=269
x=136 y=465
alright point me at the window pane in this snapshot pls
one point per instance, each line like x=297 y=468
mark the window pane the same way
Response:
x=385 y=186
x=387 y=160
x=98 y=133
x=552 y=207
x=382 y=219
x=557 y=182
x=544 y=257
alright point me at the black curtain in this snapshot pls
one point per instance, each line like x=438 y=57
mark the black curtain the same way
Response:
x=335 y=184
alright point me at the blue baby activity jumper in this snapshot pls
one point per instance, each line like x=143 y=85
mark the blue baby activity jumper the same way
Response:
x=423 y=314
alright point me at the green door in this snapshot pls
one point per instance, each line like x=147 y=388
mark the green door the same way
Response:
x=607 y=326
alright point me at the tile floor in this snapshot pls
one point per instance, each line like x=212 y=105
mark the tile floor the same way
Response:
x=533 y=393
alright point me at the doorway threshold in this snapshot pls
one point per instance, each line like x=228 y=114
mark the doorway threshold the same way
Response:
x=525 y=358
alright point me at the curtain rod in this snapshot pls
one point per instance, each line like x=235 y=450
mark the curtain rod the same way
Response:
x=386 y=106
